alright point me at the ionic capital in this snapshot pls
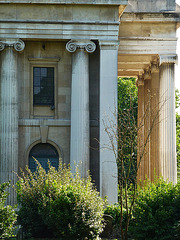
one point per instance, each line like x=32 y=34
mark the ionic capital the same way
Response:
x=165 y=59
x=73 y=45
x=140 y=81
x=154 y=66
x=18 y=44
x=147 y=74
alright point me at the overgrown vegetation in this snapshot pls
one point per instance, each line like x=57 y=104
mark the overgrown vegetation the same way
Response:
x=128 y=134
x=127 y=128
x=178 y=134
x=156 y=212
x=58 y=204
x=7 y=213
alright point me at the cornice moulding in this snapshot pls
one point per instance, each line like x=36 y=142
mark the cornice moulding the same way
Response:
x=84 y=2
x=37 y=21
x=150 y=17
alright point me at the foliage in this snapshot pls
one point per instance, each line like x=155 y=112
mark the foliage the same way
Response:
x=7 y=213
x=115 y=212
x=127 y=94
x=127 y=127
x=157 y=211
x=125 y=134
x=128 y=136
x=178 y=134
x=58 y=204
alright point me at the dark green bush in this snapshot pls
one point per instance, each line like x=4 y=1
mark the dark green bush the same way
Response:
x=115 y=212
x=58 y=204
x=156 y=211
x=7 y=213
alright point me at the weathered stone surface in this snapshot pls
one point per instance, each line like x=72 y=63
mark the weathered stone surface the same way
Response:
x=146 y=31
x=150 y=5
x=87 y=2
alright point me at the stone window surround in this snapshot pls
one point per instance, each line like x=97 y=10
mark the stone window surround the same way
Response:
x=55 y=145
x=43 y=62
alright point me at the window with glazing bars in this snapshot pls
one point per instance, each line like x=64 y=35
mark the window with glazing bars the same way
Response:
x=43 y=86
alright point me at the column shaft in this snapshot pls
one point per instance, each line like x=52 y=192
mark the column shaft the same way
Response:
x=80 y=111
x=140 y=134
x=147 y=128
x=168 y=122
x=9 y=119
x=155 y=122
x=108 y=116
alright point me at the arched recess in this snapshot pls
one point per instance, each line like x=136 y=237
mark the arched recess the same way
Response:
x=43 y=152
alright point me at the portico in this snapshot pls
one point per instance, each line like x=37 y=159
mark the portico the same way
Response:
x=59 y=66
x=148 y=52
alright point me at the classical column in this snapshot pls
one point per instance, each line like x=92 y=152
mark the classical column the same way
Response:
x=108 y=119
x=154 y=144
x=147 y=125
x=167 y=132
x=140 y=134
x=80 y=143
x=9 y=113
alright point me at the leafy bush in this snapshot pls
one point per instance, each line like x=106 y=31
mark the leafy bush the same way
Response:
x=157 y=211
x=7 y=213
x=58 y=204
x=115 y=212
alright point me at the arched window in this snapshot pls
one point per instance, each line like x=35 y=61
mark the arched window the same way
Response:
x=43 y=152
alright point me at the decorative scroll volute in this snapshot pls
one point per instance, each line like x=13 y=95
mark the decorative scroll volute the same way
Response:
x=73 y=45
x=18 y=44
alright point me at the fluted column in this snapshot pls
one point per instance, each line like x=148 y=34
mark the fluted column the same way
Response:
x=140 y=134
x=80 y=143
x=167 y=132
x=154 y=144
x=9 y=112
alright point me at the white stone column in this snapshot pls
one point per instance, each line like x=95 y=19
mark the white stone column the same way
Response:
x=80 y=143
x=167 y=132
x=9 y=113
x=108 y=118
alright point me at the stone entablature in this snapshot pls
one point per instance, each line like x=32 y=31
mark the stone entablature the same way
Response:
x=150 y=5
x=60 y=21
x=87 y=2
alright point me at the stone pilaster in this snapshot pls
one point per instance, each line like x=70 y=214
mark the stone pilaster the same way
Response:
x=108 y=118
x=80 y=143
x=167 y=133
x=9 y=112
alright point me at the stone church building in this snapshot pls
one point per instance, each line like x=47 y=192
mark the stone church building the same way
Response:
x=59 y=62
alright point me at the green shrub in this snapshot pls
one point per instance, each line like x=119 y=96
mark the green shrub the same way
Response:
x=58 y=204
x=115 y=212
x=7 y=213
x=156 y=211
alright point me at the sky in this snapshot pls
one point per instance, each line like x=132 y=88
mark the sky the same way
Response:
x=177 y=68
